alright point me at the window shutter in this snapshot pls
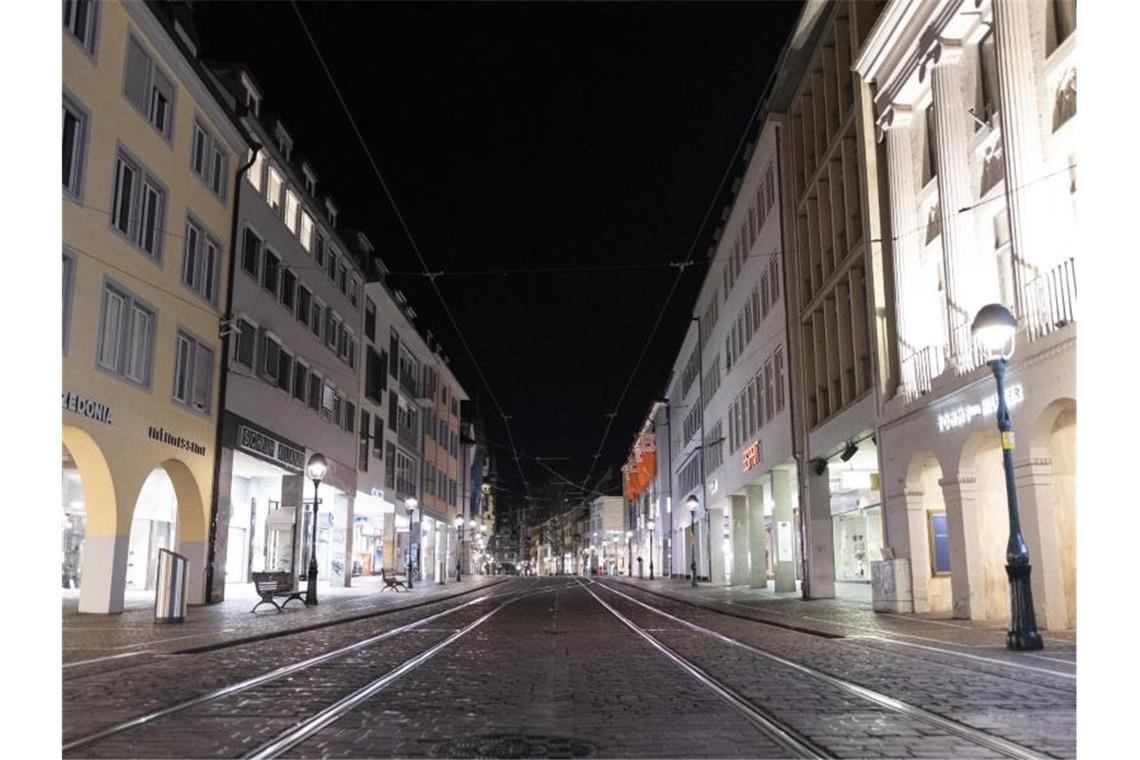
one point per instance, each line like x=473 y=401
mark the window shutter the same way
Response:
x=138 y=68
x=165 y=88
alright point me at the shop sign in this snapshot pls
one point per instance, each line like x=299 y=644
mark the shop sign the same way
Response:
x=259 y=443
x=160 y=434
x=73 y=402
x=965 y=414
x=752 y=456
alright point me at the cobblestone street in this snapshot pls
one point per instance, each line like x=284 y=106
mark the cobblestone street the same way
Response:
x=569 y=667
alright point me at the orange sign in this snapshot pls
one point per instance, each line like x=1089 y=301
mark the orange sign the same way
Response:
x=752 y=456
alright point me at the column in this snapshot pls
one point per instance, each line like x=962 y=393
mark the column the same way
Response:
x=221 y=530
x=819 y=582
x=967 y=577
x=906 y=243
x=783 y=485
x=390 y=561
x=952 y=135
x=103 y=573
x=1022 y=153
x=1034 y=478
x=740 y=558
x=715 y=541
x=906 y=518
x=757 y=549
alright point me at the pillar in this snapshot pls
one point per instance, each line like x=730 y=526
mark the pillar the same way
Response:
x=217 y=592
x=819 y=582
x=293 y=495
x=715 y=543
x=906 y=518
x=740 y=558
x=390 y=559
x=103 y=573
x=757 y=549
x=952 y=135
x=967 y=576
x=1022 y=153
x=1034 y=478
x=906 y=242
x=783 y=485
x=195 y=554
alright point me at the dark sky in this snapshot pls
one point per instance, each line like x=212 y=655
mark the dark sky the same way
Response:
x=518 y=136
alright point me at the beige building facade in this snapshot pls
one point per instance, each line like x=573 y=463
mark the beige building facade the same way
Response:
x=149 y=159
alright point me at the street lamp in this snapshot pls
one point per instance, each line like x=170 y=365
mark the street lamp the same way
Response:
x=651 y=524
x=316 y=468
x=994 y=329
x=411 y=504
x=692 y=503
x=459 y=552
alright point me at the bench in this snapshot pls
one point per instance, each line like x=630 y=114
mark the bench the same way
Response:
x=276 y=584
x=393 y=582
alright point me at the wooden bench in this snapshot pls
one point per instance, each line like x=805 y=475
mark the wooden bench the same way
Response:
x=393 y=582
x=276 y=584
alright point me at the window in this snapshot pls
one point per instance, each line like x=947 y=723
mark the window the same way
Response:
x=774 y=278
x=321 y=247
x=328 y=400
x=1004 y=258
x=378 y=437
x=318 y=313
x=342 y=279
x=200 y=262
x=939 y=544
x=68 y=291
x=929 y=165
x=370 y=319
x=353 y=290
x=1060 y=22
x=330 y=263
x=292 y=206
x=764 y=303
x=331 y=325
x=199 y=152
x=314 y=391
x=306 y=231
x=251 y=253
x=271 y=273
x=126 y=336
x=304 y=303
x=246 y=343
x=148 y=88
x=362 y=453
x=270 y=357
x=300 y=374
x=986 y=106
x=137 y=206
x=74 y=146
x=79 y=20
x=193 y=373
x=274 y=186
x=220 y=167
x=351 y=349
x=256 y=170
x=285 y=371
x=350 y=418
x=779 y=362
x=769 y=398
x=390 y=468
x=288 y=284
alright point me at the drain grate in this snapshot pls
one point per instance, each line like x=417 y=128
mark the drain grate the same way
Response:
x=510 y=746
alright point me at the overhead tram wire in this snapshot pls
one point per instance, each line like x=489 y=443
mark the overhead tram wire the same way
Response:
x=411 y=238
x=688 y=261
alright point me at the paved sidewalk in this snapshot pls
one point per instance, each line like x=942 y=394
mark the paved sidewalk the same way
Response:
x=918 y=634
x=133 y=634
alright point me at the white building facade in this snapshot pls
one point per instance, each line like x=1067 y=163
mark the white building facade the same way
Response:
x=741 y=472
x=975 y=104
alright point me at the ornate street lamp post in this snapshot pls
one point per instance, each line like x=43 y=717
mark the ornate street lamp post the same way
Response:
x=316 y=469
x=692 y=504
x=413 y=541
x=994 y=329
x=651 y=525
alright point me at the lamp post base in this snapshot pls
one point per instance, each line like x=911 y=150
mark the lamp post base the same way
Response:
x=693 y=574
x=311 y=591
x=1022 y=634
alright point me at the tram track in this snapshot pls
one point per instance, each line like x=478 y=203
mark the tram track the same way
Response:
x=211 y=698
x=781 y=729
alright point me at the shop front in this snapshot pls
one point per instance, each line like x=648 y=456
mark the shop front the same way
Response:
x=856 y=517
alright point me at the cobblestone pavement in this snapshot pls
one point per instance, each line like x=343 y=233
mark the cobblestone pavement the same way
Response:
x=102 y=642
x=554 y=674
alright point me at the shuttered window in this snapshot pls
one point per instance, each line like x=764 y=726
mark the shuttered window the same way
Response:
x=149 y=89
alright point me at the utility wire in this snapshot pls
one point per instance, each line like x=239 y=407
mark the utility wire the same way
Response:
x=411 y=238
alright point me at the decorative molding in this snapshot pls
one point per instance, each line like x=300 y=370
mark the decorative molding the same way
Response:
x=898 y=115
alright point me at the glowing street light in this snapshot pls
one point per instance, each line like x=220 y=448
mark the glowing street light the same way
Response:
x=692 y=504
x=994 y=330
x=411 y=503
x=651 y=524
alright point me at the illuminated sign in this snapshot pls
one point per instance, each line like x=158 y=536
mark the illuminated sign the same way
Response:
x=752 y=456
x=965 y=414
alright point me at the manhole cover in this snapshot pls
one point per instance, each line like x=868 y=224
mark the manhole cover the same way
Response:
x=509 y=746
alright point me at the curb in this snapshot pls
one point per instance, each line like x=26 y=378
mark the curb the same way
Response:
x=735 y=614
x=328 y=623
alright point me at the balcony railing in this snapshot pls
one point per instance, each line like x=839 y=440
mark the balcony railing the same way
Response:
x=1050 y=300
x=919 y=370
x=968 y=357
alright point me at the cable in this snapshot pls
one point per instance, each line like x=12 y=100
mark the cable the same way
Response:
x=408 y=233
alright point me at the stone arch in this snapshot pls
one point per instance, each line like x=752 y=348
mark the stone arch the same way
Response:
x=981 y=484
x=103 y=566
x=924 y=502
x=95 y=474
x=191 y=538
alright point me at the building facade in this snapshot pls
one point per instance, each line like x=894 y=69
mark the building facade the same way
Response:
x=291 y=387
x=836 y=292
x=975 y=107
x=147 y=212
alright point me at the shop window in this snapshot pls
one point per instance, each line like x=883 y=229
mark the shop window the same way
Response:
x=939 y=544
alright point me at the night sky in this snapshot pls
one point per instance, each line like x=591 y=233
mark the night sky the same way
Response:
x=589 y=137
